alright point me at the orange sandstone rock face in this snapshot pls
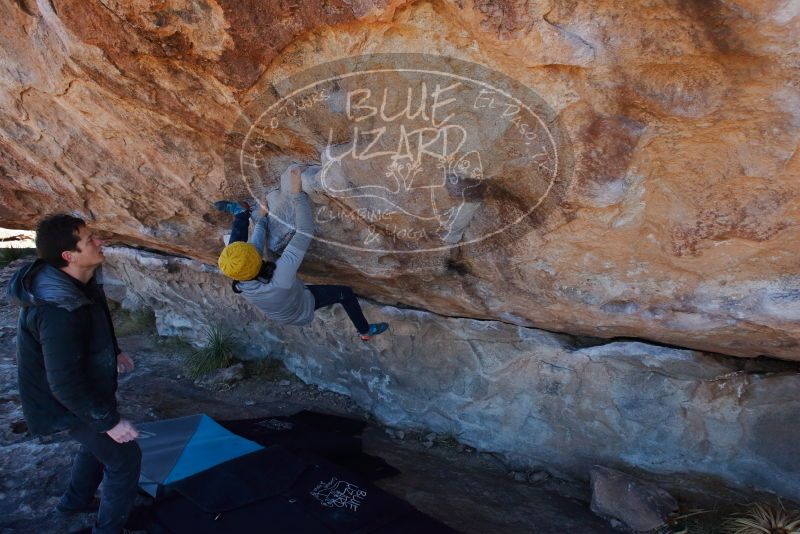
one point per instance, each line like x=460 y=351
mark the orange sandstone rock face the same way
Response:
x=657 y=196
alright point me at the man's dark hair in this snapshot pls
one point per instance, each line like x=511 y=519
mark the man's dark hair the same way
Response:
x=264 y=274
x=55 y=234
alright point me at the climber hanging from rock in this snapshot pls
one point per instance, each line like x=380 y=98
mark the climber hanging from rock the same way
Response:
x=273 y=287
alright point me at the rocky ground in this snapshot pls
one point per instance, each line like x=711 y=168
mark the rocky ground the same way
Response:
x=469 y=490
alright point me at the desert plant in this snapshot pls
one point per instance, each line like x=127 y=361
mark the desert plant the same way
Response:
x=696 y=521
x=215 y=354
x=268 y=368
x=136 y=321
x=7 y=255
x=175 y=346
x=764 y=519
x=448 y=439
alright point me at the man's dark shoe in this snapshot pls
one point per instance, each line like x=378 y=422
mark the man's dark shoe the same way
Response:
x=90 y=508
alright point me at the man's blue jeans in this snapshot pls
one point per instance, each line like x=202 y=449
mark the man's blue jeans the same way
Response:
x=117 y=465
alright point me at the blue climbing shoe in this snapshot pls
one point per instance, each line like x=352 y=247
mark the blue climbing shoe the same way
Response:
x=231 y=207
x=374 y=330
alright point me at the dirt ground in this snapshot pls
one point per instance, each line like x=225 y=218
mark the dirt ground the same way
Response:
x=469 y=490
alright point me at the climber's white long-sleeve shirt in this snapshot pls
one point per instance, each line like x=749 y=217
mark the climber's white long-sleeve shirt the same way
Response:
x=285 y=298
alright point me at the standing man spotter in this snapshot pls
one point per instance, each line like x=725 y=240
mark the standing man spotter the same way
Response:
x=274 y=287
x=68 y=359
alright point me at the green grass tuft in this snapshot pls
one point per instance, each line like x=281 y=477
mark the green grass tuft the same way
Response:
x=758 y=518
x=764 y=519
x=270 y=369
x=175 y=346
x=137 y=321
x=697 y=521
x=216 y=354
x=7 y=255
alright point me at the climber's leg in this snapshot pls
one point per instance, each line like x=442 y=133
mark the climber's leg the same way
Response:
x=327 y=295
x=241 y=219
x=241 y=223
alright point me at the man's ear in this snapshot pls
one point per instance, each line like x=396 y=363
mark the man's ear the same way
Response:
x=67 y=256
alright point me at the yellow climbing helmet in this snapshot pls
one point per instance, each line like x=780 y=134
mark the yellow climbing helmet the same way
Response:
x=240 y=261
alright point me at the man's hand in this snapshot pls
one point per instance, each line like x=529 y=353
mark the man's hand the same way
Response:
x=124 y=363
x=123 y=432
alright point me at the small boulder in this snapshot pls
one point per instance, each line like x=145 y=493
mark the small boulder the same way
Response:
x=641 y=506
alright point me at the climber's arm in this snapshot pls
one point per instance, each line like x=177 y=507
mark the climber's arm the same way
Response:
x=287 y=265
x=259 y=237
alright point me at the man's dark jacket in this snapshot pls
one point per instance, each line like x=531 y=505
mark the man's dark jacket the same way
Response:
x=66 y=351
